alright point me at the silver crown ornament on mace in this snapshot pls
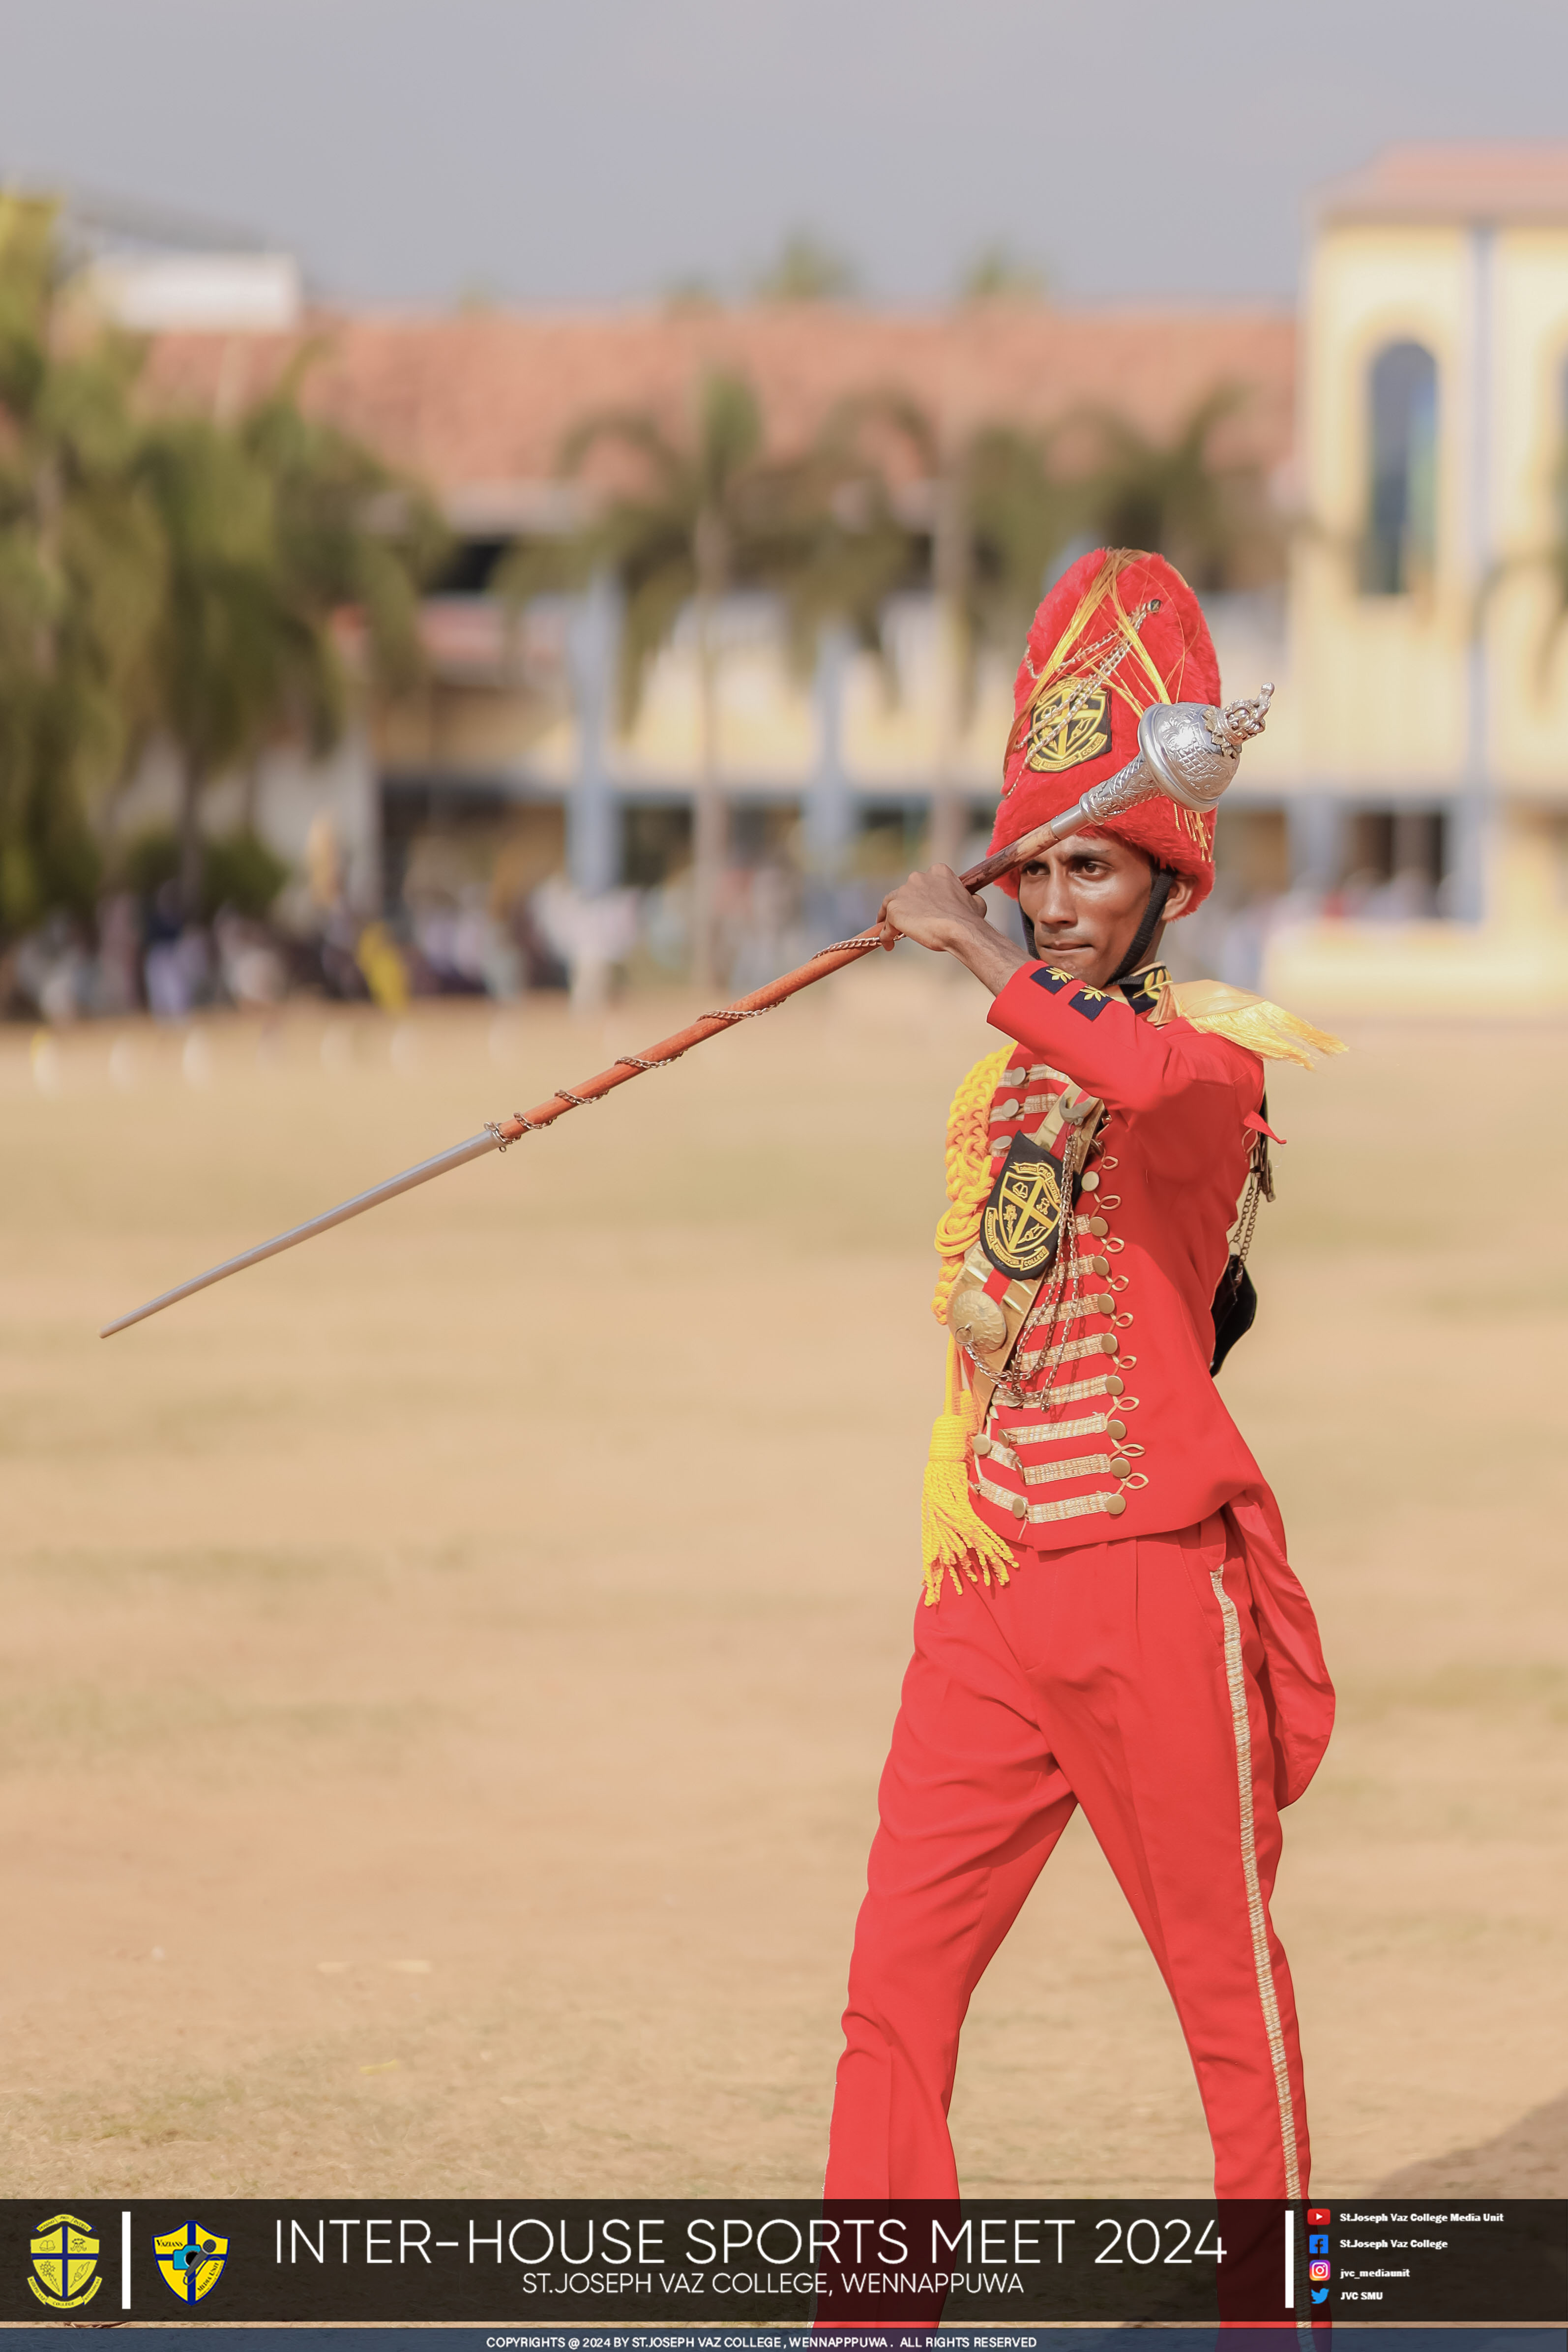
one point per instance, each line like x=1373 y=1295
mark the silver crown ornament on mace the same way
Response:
x=1187 y=750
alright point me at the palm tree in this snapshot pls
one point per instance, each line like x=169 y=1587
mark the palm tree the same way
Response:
x=1556 y=553
x=806 y=270
x=995 y=513
x=275 y=529
x=212 y=672
x=712 y=513
x=80 y=573
x=997 y=274
x=1548 y=558
x=351 y=535
x=1206 y=512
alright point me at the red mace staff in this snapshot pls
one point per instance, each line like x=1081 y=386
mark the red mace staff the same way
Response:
x=1184 y=750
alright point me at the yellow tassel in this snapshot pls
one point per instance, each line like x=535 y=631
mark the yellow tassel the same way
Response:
x=952 y=1535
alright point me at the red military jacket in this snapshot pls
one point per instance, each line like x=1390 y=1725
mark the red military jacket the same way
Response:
x=1130 y=1435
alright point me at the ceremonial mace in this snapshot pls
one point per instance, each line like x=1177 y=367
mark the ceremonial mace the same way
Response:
x=1187 y=750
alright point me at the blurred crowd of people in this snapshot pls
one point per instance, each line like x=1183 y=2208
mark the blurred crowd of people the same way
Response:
x=139 y=952
x=142 y=955
x=145 y=955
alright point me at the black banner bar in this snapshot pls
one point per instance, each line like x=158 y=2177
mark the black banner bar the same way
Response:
x=681 y=2269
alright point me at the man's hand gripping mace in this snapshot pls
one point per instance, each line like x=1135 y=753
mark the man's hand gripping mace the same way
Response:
x=1187 y=750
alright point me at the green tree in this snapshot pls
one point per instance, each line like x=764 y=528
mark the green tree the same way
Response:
x=81 y=572
x=1185 y=498
x=710 y=513
x=989 y=512
x=807 y=270
x=213 y=673
x=997 y=275
x=1556 y=553
x=354 y=543
x=294 y=560
x=1548 y=559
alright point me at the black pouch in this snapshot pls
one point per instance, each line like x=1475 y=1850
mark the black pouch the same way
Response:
x=1235 y=1310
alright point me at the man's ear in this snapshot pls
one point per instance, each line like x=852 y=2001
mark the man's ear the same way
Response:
x=1181 y=897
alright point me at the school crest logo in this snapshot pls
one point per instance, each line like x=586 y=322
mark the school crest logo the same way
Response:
x=191 y=2258
x=1019 y=1228
x=1069 y=727
x=65 y=2261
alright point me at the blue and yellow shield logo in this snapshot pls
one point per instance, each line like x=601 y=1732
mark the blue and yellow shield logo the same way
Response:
x=191 y=2258
x=65 y=2261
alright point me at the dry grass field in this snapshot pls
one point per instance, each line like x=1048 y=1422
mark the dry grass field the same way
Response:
x=445 y=1672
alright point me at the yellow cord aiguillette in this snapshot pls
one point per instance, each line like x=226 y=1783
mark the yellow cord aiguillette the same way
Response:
x=952 y=1535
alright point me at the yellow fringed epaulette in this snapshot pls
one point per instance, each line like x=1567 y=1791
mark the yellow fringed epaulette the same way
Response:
x=1252 y=1020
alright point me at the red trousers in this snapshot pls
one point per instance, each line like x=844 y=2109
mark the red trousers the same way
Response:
x=1129 y=1678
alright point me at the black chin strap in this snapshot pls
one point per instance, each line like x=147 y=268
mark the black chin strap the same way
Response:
x=1160 y=885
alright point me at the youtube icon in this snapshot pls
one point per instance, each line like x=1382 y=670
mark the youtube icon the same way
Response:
x=1317 y=2217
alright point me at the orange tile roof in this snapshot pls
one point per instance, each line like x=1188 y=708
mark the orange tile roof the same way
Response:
x=1459 y=182
x=478 y=401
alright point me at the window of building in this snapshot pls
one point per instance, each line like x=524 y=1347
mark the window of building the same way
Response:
x=470 y=567
x=1401 y=543
x=1397 y=861
x=656 y=843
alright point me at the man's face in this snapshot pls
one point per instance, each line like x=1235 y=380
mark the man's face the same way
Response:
x=1086 y=900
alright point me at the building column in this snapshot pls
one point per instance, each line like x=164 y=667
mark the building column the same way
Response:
x=1315 y=826
x=1475 y=815
x=592 y=806
x=830 y=810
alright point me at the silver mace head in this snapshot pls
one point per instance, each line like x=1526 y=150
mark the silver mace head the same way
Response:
x=1188 y=751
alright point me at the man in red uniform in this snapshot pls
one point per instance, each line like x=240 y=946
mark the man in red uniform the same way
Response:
x=1121 y=1630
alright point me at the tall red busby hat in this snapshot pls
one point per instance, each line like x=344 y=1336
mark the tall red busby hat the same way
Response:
x=1119 y=631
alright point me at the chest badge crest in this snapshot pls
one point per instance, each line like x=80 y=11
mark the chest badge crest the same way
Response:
x=1023 y=1215
x=1068 y=727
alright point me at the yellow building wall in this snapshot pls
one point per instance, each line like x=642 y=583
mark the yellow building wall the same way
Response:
x=1252 y=648
x=764 y=723
x=897 y=732
x=1527 y=646
x=1381 y=679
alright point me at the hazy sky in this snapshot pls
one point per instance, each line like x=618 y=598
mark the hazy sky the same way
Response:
x=573 y=151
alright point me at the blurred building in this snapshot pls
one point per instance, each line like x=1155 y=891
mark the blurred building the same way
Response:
x=513 y=751
x=1399 y=835
x=1416 y=775
x=160 y=272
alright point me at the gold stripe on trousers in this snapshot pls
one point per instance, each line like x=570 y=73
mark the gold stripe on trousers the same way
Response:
x=1267 y=1998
